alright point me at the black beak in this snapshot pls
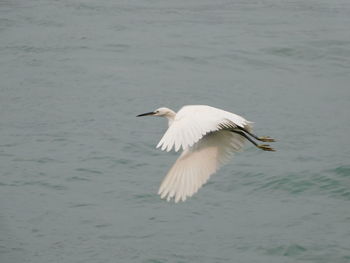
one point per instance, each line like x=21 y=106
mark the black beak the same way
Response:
x=146 y=114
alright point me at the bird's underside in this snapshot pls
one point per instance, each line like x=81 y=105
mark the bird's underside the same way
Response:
x=197 y=163
x=208 y=137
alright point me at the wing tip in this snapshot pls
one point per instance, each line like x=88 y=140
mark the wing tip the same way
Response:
x=176 y=200
x=169 y=195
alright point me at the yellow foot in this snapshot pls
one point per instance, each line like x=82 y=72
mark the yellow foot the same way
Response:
x=266 y=139
x=266 y=147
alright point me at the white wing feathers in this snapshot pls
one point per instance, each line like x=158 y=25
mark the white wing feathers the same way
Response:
x=195 y=165
x=193 y=122
x=200 y=131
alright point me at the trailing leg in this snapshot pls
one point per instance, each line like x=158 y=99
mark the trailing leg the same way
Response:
x=262 y=138
x=264 y=147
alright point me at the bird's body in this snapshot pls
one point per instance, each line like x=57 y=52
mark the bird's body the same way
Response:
x=208 y=137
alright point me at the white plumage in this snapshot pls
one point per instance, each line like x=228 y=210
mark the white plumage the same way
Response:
x=191 y=123
x=208 y=137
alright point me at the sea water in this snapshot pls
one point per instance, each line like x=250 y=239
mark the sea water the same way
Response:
x=80 y=173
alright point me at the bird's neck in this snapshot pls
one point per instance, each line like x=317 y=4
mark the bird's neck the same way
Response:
x=170 y=116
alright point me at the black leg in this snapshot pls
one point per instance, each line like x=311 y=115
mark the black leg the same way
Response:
x=264 y=147
x=263 y=138
x=245 y=136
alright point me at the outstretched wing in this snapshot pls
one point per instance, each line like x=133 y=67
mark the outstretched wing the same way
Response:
x=195 y=165
x=193 y=122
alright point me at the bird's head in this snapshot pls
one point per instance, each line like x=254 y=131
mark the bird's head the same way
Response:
x=161 y=112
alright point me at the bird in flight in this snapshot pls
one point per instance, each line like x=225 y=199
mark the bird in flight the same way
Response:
x=208 y=137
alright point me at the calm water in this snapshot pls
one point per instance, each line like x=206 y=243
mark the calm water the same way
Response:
x=79 y=173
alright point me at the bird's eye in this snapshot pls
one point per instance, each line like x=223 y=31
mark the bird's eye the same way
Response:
x=157 y=111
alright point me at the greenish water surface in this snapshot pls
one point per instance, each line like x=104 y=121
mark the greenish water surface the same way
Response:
x=79 y=173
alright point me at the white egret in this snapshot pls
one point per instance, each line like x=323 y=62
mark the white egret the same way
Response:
x=208 y=137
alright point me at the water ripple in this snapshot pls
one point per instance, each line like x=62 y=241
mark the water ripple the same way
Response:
x=343 y=171
x=289 y=250
x=82 y=205
x=39 y=183
x=333 y=182
x=87 y=170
